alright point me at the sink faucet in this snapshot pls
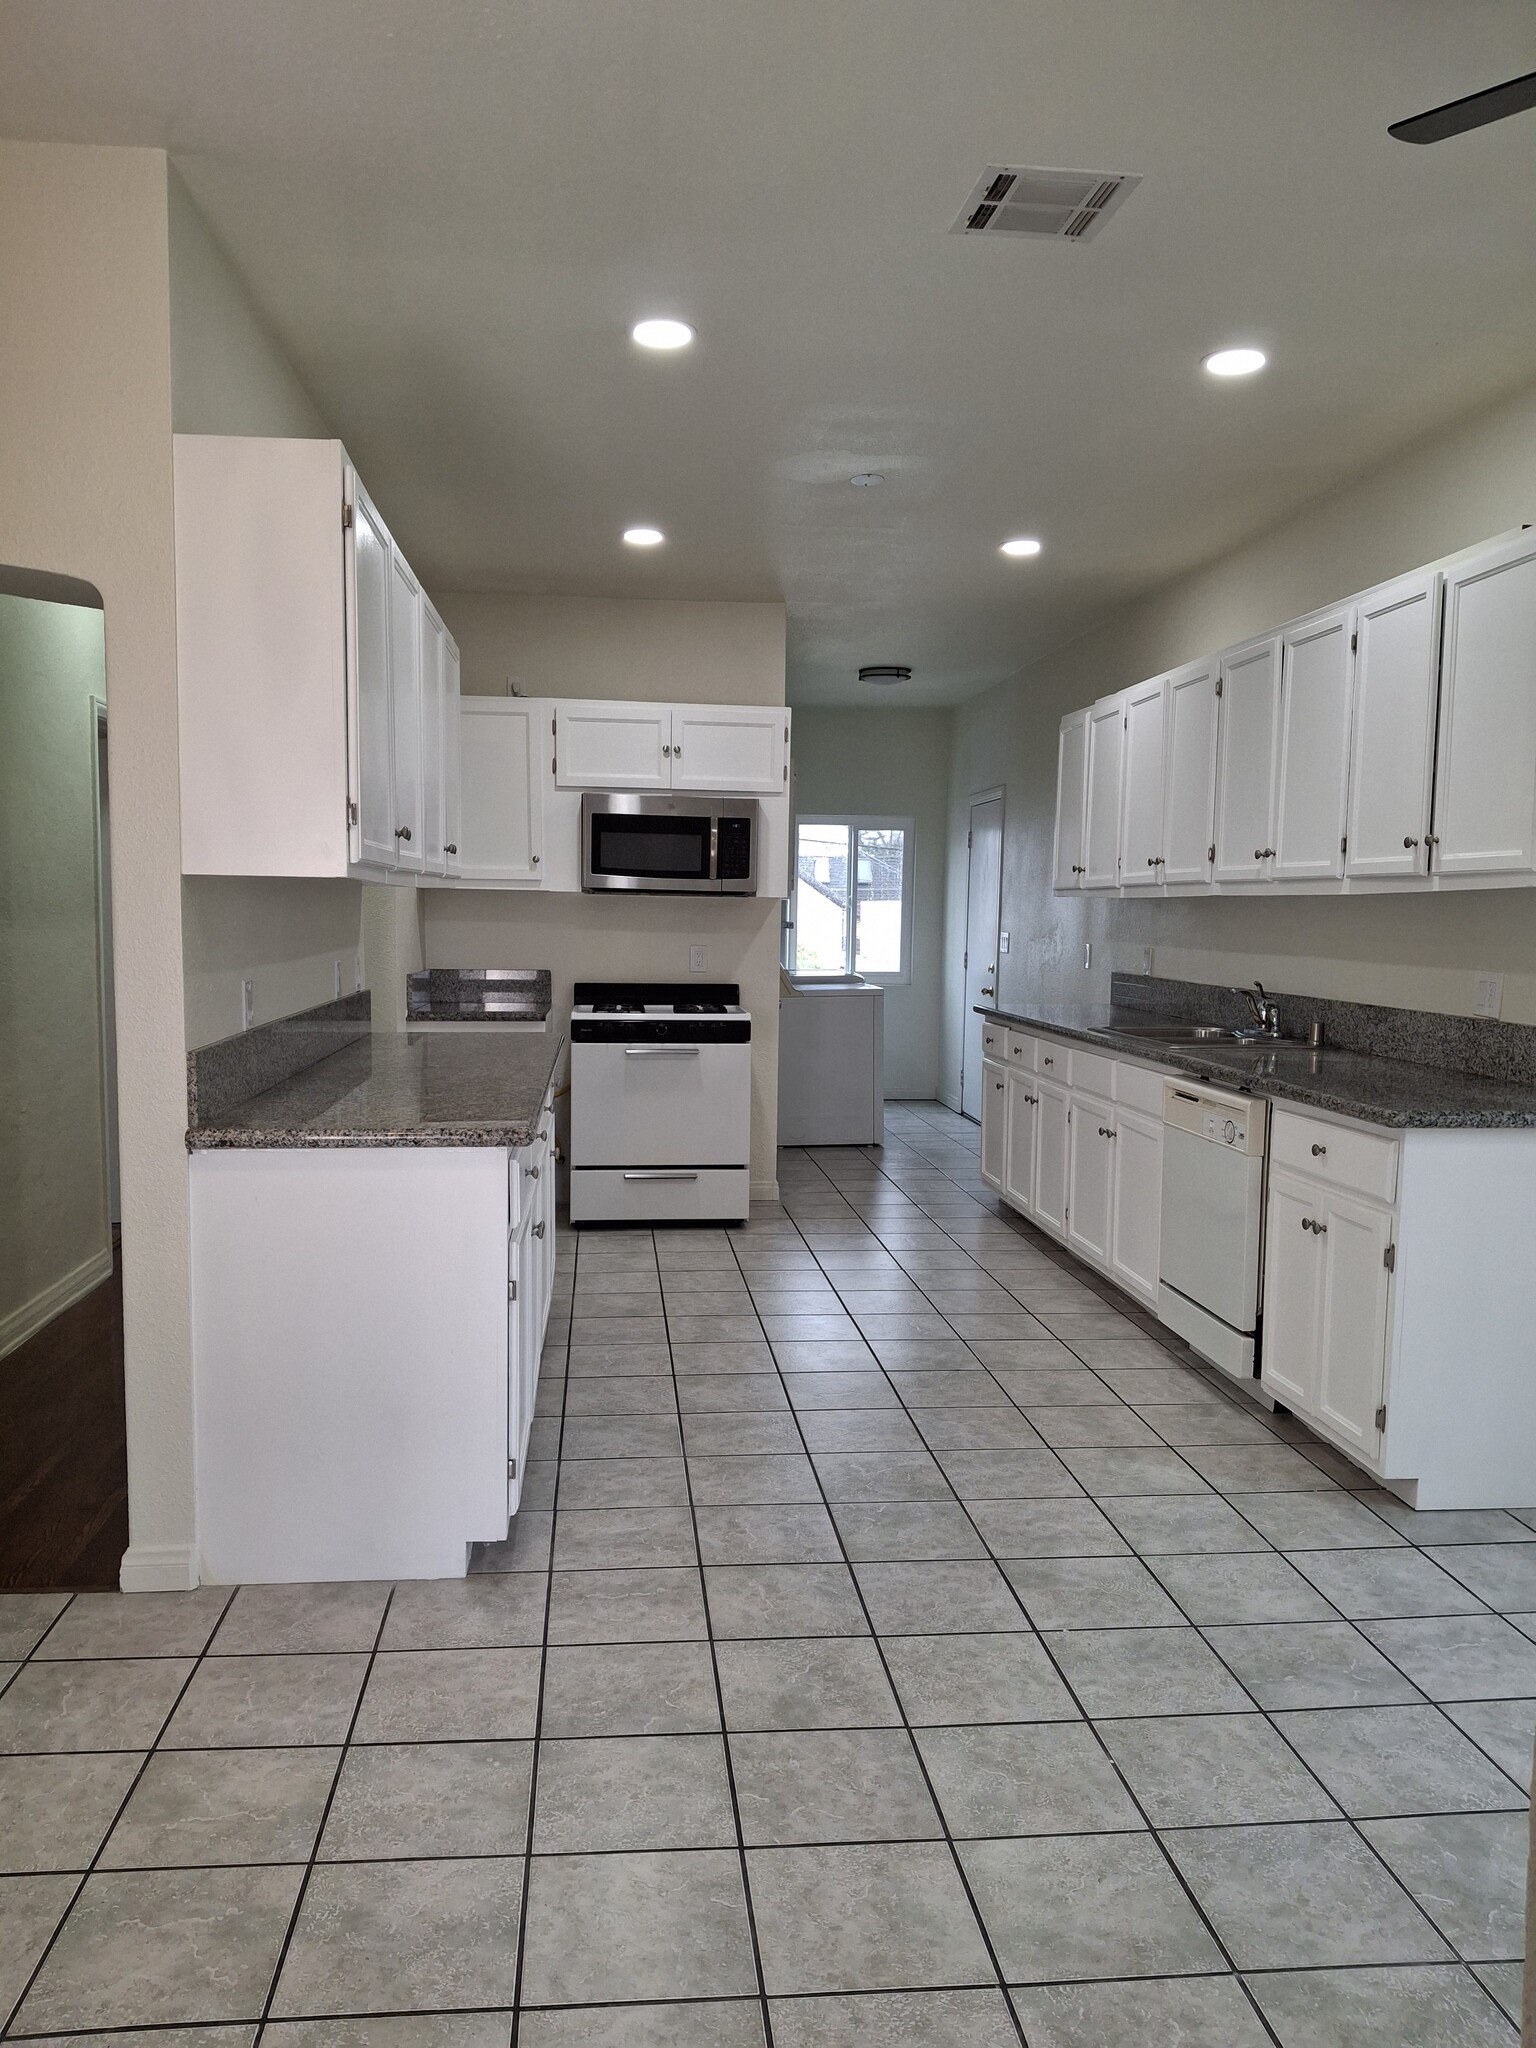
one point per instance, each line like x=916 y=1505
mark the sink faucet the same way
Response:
x=1265 y=1012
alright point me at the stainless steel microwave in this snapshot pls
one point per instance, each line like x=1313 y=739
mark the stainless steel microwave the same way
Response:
x=660 y=843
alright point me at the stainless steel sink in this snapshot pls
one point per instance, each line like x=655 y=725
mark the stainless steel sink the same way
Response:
x=1191 y=1034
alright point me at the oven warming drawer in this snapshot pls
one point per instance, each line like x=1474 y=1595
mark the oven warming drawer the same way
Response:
x=660 y=1106
x=614 y=1194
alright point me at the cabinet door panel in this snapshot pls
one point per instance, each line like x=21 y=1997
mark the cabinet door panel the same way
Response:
x=371 y=551
x=1091 y=1187
x=503 y=789
x=1316 y=696
x=1189 y=825
x=730 y=748
x=994 y=1124
x=1019 y=1169
x=453 y=758
x=1293 y=1289
x=613 y=746
x=405 y=710
x=1143 y=807
x=1051 y=1136
x=1071 y=801
x=1245 y=782
x=1397 y=677
x=1485 y=771
x=433 y=808
x=1352 y=1353
x=1138 y=1201
x=1106 y=756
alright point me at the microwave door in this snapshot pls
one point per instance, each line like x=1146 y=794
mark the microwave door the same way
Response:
x=651 y=853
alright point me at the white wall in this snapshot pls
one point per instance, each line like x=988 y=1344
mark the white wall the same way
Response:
x=85 y=491
x=887 y=762
x=55 y=1235
x=228 y=376
x=1475 y=479
x=615 y=647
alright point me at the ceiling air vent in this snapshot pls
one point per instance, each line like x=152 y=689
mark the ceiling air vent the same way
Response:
x=1059 y=206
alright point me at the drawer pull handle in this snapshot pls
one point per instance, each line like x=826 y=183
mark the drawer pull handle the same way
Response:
x=1319 y=1151
x=661 y=1052
x=662 y=1173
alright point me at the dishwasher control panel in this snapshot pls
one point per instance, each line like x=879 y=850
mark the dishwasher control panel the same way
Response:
x=1235 y=1122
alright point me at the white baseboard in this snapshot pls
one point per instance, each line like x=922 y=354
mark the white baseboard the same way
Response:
x=159 y=1568
x=26 y=1321
x=765 y=1191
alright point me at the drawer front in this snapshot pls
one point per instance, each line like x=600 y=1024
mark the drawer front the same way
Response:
x=1093 y=1073
x=1338 y=1154
x=1053 y=1059
x=1139 y=1087
x=1021 y=1051
x=993 y=1040
x=612 y=1195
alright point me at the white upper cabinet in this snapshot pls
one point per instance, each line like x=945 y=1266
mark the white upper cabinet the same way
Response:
x=503 y=790
x=613 y=746
x=1071 y=801
x=1316 y=684
x=434 y=830
x=1485 y=770
x=405 y=711
x=1143 y=810
x=1392 y=755
x=1189 y=822
x=452 y=760
x=733 y=749
x=372 y=779
x=1106 y=756
x=1249 y=730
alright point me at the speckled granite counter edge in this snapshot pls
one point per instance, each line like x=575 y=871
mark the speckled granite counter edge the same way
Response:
x=232 y=1070
x=1207 y=1062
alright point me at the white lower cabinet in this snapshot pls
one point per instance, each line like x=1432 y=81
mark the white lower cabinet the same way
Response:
x=1090 y=1213
x=1052 y=1139
x=994 y=1124
x=1022 y=1112
x=1138 y=1202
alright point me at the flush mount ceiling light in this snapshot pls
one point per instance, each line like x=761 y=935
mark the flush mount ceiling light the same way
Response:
x=663 y=334
x=867 y=479
x=885 y=672
x=1236 y=362
x=1021 y=544
x=644 y=536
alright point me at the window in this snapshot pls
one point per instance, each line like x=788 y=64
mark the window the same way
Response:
x=851 y=910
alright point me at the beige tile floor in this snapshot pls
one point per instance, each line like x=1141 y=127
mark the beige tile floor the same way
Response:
x=899 y=1644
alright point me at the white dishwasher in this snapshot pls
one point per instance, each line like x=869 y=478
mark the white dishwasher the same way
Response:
x=1213 y=1221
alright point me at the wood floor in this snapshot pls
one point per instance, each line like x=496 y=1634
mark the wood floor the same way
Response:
x=63 y=1453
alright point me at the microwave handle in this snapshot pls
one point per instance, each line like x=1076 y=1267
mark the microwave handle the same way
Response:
x=714 y=846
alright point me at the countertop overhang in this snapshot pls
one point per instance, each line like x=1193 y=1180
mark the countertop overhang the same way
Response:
x=1376 y=1090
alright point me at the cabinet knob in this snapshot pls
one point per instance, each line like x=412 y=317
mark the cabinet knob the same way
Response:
x=535 y=860
x=532 y=1172
x=1319 y=1151
x=1105 y=1131
x=989 y=991
x=1431 y=838
x=1077 y=870
x=403 y=832
x=538 y=1230
x=1410 y=842
x=450 y=848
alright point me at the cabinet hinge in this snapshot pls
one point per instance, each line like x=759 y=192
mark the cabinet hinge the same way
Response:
x=786 y=766
x=346 y=514
x=554 y=764
x=967 y=842
x=1389 y=1258
x=1344 y=844
x=1381 y=1416
x=552 y=728
x=1218 y=686
x=511 y=1468
x=352 y=810
x=1354 y=643
x=1210 y=853
x=511 y=1290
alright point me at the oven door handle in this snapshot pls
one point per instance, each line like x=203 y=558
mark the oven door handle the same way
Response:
x=662 y=1173
x=661 y=1052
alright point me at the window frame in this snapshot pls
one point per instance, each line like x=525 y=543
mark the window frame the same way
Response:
x=855 y=822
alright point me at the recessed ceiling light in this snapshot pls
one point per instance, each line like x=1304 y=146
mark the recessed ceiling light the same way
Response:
x=644 y=536
x=1236 y=362
x=867 y=479
x=661 y=333
x=885 y=672
x=1022 y=544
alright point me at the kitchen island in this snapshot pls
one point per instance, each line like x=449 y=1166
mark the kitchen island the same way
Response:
x=372 y=1249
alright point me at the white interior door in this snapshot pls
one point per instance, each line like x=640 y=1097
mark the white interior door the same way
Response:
x=1392 y=758
x=983 y=913
x=1142 y=810
x=1106 y=756
x=733 y=749
x=1248 y=734
x=1316 y=694
x=1071 y=801
x=1485 y=773
x=371 y=548
x=405 y=710
x=1190 y=805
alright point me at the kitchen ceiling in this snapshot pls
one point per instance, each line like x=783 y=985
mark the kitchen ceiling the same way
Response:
x=452 y=214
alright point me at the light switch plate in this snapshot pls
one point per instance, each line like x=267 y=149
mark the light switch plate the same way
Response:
x=1146 y=959
x=1488 y=995
x=697 y=960
x=1002 y=942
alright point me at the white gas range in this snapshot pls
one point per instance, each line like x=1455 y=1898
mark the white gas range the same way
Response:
x=661 y=1102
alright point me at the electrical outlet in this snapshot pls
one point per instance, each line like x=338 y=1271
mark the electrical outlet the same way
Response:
x=357 y=971
x=1488 y=995
x=1002 y=942
x=247 y=1004
x=1087 y=954
x=1146 y=959
x=697 y=960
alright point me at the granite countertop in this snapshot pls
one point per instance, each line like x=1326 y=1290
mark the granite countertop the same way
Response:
x=1400 y=1093
x=398 y=1088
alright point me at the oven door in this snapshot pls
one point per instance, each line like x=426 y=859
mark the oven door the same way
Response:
x=657 y=844
x=655 y=1105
